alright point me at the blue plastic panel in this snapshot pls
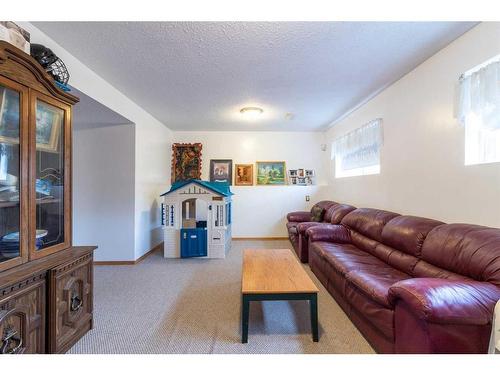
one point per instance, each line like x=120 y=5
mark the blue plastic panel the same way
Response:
x=193 y=242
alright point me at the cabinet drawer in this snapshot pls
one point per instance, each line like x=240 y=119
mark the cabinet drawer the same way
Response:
x=70 y=303
x=22 y=317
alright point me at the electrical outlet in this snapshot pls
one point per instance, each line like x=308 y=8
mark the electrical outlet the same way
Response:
x=308 y=198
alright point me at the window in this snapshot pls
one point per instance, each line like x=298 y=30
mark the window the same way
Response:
x=479 y=112
x=358 y=153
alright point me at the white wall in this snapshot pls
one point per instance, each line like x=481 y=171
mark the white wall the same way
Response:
x=103 y=189
x=152 y=141
x=153 y=150
x=422 y=160
x=260 y=211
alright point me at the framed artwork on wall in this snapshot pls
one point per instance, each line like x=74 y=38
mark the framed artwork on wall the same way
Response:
x=271 y=173
x=221 y=170
x=244 y=175
x=186 y=161
x=301 y=176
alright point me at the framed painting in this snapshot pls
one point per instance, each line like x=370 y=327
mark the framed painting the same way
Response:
x=271 y=173
x=49 y=121
x=244 y=175
x=186 y=161
x=221 y=171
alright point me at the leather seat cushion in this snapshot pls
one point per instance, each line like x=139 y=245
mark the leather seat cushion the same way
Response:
x=375 y=281
x=345 y=258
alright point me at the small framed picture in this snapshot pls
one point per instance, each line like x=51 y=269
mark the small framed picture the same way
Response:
x=301 y=181
x=309 y=173
x=221 y=170
x=292 y=173
x=293 y=180
x=243 y=174
x=300 y=172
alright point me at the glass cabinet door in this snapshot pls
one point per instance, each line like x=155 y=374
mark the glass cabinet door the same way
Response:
x=13 y=174
x=50 y=229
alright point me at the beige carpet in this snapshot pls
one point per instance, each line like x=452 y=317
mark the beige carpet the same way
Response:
x=193 y=306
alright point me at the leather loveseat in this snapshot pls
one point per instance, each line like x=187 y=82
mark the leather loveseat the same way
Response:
x=411 y=284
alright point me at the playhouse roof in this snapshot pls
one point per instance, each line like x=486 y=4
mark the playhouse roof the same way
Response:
x=221 y=188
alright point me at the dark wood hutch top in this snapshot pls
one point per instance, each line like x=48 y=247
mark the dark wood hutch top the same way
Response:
x=18 y=66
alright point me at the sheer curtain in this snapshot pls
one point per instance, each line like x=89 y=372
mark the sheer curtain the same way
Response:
x=358 y=149
x=480 y=97
x=478 y=110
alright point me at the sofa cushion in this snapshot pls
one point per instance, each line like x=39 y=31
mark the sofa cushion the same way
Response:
x=465 y=249
x=368 y=221
x=336 y=213
x=344 y=257
x=376 y=280
x=407 y=233
x=424 y=269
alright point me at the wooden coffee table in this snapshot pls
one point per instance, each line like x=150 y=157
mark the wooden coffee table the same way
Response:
x=271 y=275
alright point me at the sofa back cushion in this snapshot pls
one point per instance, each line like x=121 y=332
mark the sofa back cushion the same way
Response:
x=407 y=233
x=468 y=250
x=368 y=222
x=336 y=213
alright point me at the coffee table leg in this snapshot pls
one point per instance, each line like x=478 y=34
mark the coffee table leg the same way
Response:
x=245 y=310
x=313 y=303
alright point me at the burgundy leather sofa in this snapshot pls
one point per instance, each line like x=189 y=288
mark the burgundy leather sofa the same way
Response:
x=411 y=284
x=294 y=218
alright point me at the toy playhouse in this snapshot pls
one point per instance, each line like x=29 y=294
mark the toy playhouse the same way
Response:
x=196 y=216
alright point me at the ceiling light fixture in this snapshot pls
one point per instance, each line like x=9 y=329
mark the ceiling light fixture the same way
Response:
x=251 y=112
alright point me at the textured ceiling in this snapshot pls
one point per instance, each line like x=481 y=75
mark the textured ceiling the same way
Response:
x=197 y=75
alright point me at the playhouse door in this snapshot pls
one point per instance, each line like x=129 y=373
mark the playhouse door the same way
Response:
x=193 y=242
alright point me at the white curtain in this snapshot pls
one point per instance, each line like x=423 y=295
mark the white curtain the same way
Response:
x=479 y=97
x=359 y=148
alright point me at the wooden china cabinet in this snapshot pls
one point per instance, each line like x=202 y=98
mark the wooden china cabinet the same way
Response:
x=45 y=282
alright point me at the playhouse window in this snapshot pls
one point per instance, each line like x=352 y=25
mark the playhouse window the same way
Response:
x=171 y=216
x=228 y=213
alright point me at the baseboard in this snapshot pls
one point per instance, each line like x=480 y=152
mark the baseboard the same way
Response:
x=259 y=238
x=128 y=262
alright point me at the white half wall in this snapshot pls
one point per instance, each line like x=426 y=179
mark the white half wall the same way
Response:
x=260 y=211
x=103 y=190
x=422 y=160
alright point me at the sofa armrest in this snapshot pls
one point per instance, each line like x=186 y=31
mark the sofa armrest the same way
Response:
x=303 y=227
x=444 y=301
x=299 y=216
x=330 y=233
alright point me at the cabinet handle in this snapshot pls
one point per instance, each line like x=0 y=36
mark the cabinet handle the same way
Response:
x=76 y=303
x=9 y=339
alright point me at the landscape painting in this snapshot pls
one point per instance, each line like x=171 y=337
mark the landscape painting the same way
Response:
x=271 y=173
